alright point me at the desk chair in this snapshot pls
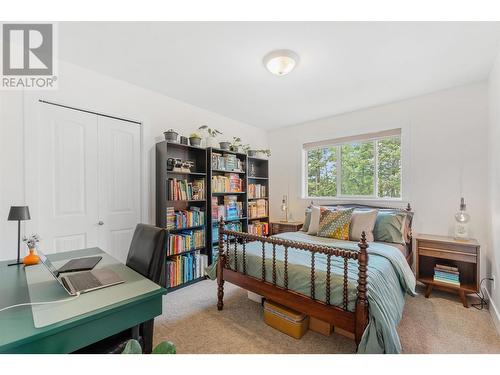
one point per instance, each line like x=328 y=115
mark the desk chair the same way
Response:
x=145 y=256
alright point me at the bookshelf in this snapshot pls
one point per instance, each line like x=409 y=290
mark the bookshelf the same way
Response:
x=226 y=173
x=258 y=195
x=182 y=196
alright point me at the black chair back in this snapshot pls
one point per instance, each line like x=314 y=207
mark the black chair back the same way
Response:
x=147 y=251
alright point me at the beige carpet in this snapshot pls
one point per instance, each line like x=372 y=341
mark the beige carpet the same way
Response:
x=439 y=324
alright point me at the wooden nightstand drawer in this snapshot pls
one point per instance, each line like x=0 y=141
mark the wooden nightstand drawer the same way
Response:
x=454 y=247
x=447 y=254
x=281 y=227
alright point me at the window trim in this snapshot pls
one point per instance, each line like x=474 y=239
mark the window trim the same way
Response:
x=373 y=137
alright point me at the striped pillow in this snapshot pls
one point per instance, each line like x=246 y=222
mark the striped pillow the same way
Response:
x=335 y=224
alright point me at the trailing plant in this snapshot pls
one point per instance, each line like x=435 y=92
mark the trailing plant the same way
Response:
x=212 y=132
x=236 y=142
x=266 y=152
x=246 y=148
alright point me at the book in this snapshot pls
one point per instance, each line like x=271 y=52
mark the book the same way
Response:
x=184 y=190
x=184 y=218
x=258 y=228
x=185 y=240
x=446 y=268
x=184 y=268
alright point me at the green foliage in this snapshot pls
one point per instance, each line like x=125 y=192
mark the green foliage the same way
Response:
x=322 y=176
x=389 y=168
x=212 y=132
x=358 y=168
x=357 y=162
x=165 y=347
x=132 y=347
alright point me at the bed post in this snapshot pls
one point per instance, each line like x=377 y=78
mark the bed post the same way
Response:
x=362 y=301
x=220 y=267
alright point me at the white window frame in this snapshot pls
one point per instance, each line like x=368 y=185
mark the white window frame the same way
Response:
x=363 y=138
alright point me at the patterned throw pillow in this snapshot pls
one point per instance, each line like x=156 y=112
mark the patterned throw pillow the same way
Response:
x=335 y=224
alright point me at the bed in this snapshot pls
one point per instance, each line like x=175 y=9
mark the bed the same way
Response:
x=357 y=287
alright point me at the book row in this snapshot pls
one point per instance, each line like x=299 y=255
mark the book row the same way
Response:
x=185 y=190
x=185 y=241
x=229 y=183
x=185 y=268
x=229 y=210
x=227 y=162
x=257 y=208
x=258 y=228
x=236 y=226
x=185 y=218
x=257 y=191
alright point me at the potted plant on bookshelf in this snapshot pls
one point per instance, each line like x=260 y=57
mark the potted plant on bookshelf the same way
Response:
x=236 y=144
x=212 y=133
x=264 y=153
x=195 y=139
x=171 y=135
x=225 y=145
x=246 y=148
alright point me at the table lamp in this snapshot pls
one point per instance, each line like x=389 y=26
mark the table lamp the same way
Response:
x=284 y=207
x=18 y=213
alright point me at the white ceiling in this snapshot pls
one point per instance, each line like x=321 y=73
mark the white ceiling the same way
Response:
x=343 y=66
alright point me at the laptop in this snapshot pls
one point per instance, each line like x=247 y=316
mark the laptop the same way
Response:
x=82 y=282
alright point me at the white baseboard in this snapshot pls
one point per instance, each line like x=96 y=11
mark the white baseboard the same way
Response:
x=494 y=312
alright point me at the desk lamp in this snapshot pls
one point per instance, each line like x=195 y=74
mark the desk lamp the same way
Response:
x=18 y=213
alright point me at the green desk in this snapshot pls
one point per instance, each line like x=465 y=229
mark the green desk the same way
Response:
x=19 y=335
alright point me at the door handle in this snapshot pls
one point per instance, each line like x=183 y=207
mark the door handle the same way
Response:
x=100 y=222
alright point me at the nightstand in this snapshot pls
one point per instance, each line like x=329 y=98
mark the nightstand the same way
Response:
x=282 y=226
x=448 y=251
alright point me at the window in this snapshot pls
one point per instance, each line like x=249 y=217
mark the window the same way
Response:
x=367 y=166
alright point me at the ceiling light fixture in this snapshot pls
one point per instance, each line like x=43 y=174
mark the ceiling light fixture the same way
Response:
x=281 y=62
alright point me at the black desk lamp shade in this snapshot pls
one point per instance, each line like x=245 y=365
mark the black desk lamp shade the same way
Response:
x=18 y=213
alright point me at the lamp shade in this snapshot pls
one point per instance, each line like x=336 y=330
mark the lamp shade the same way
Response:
x=19 y=213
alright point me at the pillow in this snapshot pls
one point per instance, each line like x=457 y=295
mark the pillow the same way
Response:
x=335 y=224
x=389 y=227
x=362 y=221
x=307 y=220
x=314 y=224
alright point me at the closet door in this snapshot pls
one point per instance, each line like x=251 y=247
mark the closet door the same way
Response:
x=67 y=179
x=119 y=184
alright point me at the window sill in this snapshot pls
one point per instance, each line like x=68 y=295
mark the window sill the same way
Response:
x=361 y=200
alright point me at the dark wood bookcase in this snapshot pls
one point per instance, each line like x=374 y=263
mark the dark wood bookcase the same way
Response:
x=164 y=151
x=258 y=173
x=241 y=196
x=254 y=171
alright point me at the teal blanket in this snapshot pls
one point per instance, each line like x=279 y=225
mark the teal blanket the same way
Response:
x=389 y=279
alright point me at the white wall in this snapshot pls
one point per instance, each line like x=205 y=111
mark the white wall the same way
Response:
x=440 y=132
x=87 y=89
x=493 y=256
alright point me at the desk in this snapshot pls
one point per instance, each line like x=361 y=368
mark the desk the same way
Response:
x=19 y=335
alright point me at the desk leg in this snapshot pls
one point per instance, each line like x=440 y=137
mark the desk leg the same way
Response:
x=463 y=298
x=147 y=336
x=428 y=290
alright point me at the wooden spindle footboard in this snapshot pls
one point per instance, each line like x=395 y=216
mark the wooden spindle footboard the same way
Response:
x=340 y=316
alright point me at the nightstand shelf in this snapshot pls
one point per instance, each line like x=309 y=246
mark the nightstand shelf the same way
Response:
x=462 y=254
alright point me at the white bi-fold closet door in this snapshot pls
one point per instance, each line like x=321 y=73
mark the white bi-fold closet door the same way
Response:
x=89 y=181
